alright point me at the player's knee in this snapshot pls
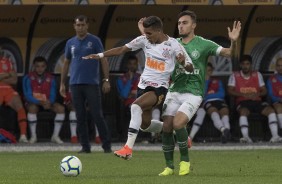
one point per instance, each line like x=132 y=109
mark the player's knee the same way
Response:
x=32 y=108
x=244 y=112
x=15 y=103
x=136 y=108
x=58 y=108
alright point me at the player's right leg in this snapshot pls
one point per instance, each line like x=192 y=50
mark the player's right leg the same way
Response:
x=184 y=114
x=58 y=122
x=13 y=100
x=146 y=102
x=168 y=145
x=32 y=110
x=201 y=113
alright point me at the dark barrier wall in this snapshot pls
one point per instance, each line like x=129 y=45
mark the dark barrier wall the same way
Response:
x=31 y=30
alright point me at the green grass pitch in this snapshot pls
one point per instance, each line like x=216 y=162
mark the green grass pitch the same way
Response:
x=207 y=167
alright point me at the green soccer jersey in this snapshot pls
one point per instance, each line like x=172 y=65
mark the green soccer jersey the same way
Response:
x=199 y=49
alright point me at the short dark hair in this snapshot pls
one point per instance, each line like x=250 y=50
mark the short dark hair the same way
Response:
x=81 y=18
x=154 y=22
x=188 y=13
x=132 y=57
x=246 y=58
x=39 y=59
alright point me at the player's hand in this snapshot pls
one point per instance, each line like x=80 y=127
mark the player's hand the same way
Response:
x=91 y=56
x=180 y=59
x=235 y=32
x=63 y=90
x=251 y=96
x=41 y=102
x=106 y=87
x=140 y=25
x=47 y=105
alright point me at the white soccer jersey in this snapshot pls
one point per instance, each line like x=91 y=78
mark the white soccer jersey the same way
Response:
x=160 y=60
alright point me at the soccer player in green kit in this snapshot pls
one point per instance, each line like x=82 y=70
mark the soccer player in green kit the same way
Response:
x=187 y=89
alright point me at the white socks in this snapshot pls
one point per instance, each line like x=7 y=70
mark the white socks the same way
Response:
x=225 y=121
x=272 y=123
x=279 y=120
x=243 y=122
x=201 y=113
x=73 y=123
x=134 y=126
x=58 y=122
x=32 y=122
x=217 y=121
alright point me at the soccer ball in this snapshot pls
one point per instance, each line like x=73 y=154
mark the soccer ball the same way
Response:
x=71 y=166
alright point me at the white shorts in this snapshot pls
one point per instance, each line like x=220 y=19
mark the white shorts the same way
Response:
x=183 y=102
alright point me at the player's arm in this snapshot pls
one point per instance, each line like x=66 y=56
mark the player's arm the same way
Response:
x=270 y=92
x=11 y=78
x=231 y=87
x=64 y=74
x=231 y=91
x=112 y=52
x=27 y=91
x=4 y=76
x=262 y=89
x=140 y=25
x=233 y=36
x=184 y=59
x=105 y=69
x=53 y=90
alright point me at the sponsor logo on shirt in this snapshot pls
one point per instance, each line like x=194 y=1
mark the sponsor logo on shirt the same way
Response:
x=149 y=83
x=180 y=70
x=155 y=64
x=248 y=90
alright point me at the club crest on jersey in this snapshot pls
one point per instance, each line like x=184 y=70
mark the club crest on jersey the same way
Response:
x=89 y=45
x=274 y=80
x=166 y=53
x=195 y=54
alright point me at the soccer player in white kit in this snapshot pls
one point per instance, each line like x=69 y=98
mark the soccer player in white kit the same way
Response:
x=161 y=53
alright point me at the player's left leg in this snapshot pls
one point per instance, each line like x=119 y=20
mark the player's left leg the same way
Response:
x=144 y=103
x=184 y=114
x=168 y=145
x=73 y=126
x=13 y=100
x=272 y=123
x=58 y=122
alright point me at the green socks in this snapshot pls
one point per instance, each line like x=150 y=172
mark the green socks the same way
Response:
x=182 y=137
x=168 y=148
